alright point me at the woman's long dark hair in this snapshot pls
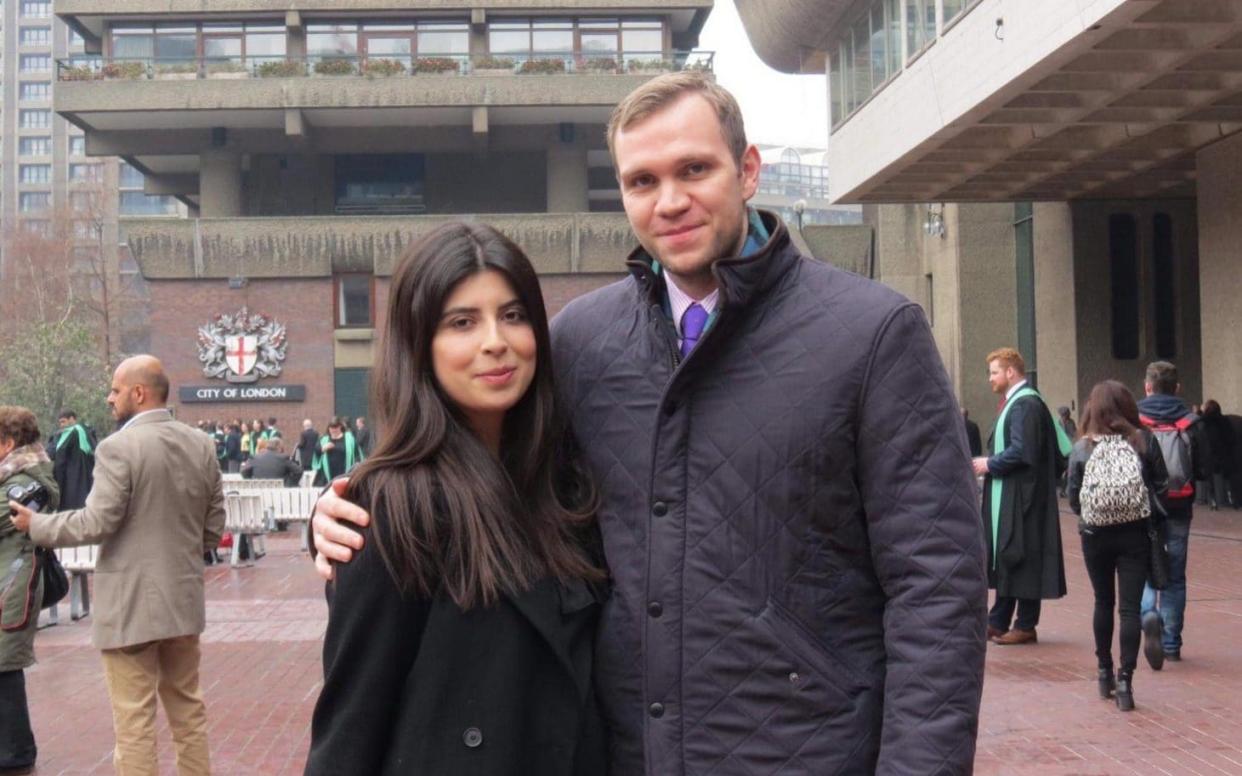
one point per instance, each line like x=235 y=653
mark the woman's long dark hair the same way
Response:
x=1111 y=409
x=447 y=513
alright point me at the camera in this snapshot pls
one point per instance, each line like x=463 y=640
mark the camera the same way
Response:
x=33 y=496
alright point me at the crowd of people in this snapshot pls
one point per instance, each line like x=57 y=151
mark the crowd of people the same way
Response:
x=718 y=516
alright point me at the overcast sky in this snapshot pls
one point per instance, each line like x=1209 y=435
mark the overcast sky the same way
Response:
x=778 y=108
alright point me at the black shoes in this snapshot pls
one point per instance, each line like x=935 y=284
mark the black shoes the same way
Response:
x=1153 y=646
x=1125 y=693
x=1173 y=657
x=1107 y=683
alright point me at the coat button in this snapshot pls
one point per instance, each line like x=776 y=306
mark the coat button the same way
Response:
x=473 y=737
x=659 y=509
x=656 y=710
x=655 y=608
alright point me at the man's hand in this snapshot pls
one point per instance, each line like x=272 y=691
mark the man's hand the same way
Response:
x=21 y=516
x=333 y=541
x=980 y=466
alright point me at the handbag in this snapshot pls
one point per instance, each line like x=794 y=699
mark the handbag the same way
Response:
x=55 y=580
x=1157 y=558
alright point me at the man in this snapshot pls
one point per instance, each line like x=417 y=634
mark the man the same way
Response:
x=337 y=451
x=307 y=443
x=363 y=435
x=233 y=449
x=1021 y=519
x=218 y=436
x=273 y=464
x=271 y=431
x=787 y=508
x=73 y=458
x=156 y=507
x=1187 y=457
x=972 y=434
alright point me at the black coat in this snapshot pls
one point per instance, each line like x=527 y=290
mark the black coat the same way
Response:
x=269 y=465
x=418 y=686
x=73 y=460
x=972 y=438
x=233 y=446
x=1025 y=561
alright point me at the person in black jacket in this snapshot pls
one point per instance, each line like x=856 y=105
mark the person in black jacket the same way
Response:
x=972 y=434
x=1117 y=555
x=233 y=449
x=460 y=639
x=273 y=464
x=73 y=458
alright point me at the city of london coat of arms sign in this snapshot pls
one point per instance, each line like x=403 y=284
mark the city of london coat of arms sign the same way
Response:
x=242 y=347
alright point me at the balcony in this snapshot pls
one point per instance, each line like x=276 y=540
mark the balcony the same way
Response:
x=318 y=246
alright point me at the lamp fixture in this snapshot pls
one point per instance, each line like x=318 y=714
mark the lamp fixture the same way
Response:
x=933 y=224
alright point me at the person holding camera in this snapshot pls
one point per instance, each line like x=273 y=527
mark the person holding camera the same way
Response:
x=26 y=476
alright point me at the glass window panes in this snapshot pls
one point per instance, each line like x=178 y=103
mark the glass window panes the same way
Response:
x=265 y=40
x=552 y=36
x=36 y=226
x=510 y=37
x=34 y=201
x=35 y=90
x=133 y=42
x=35 y=63
x=642 y=36
x=34 y=146
x=951 y=9
x=36 y=9
x=869 y=52
x=35 y=36
x=77 y=145
x=329 y=40
x=85 y=172
x=35 y=173
x=34 y=118
x=443 y=39
x=353 y=300
x=879 y=46
x=75 y=39
x=176 y=43
x=129 y=177
x=136 y=203
x=82 y=201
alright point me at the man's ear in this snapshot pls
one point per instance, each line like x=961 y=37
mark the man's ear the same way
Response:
x=751 y=164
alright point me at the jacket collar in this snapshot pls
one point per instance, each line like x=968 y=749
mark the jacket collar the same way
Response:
x=740 y=278
x=161 y=415
x=548 y=605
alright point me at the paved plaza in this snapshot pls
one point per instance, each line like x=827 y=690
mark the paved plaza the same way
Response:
x=261 y=675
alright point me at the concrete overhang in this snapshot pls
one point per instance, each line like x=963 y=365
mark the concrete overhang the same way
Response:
x=319 y=246
x=1110 y=102
x=792 y=35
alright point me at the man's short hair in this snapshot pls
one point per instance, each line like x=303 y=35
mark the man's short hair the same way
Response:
x=274 y=444
x=1162 y=377
x=1008 y=357
x=662 y=91
x=271 y=421
x=67 y=415
x=20 y=426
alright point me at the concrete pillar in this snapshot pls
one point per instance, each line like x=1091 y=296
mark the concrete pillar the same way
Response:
x=220 y=183
x=1220 y=270
x=1056 y=321
x=567 y=178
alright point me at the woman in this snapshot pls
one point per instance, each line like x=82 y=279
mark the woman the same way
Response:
x=1116 y=554
x=23 y=461
x=459 y=641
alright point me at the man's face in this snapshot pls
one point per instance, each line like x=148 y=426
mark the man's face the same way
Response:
x=683 y=192
x=122 y=398
x=64 y=422
x=1001 y=377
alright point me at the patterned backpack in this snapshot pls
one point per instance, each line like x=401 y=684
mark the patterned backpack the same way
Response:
x=1113 y=491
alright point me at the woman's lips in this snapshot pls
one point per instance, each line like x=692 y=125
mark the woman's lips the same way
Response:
x=498 y=376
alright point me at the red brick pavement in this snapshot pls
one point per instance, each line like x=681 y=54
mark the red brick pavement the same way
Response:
x=1040 y=715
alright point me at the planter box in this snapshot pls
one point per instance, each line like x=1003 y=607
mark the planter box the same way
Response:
x=176 y=76
x=230 y=75
x=493 y=71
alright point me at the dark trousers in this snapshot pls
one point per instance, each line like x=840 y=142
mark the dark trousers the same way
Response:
x=1116 y=559
x=1002 y=613
x=17 y=743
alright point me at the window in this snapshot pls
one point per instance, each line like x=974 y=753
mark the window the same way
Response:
x=75 y=39
x=1165 y=281
x=35 y=36
x=77 y=145
x=35 y=63
x=83 y=201
x=1123 y=272
x=35 y=90
x=34 y=201
x=353 y=301
x=951 y=9
x=1024 y=274
x=867 y=55
x=86 y=229
x=34 y=119
x=37 y=226
x=36 y=9
x=79 y=173
x=920 y=25
x=398 y=40
x=34 y=173
x=350 y=392
x=135 y=202
x=606 y=38
x=34 y=146
x=380 y=183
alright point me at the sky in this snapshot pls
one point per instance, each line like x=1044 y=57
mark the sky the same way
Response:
x=778 y=108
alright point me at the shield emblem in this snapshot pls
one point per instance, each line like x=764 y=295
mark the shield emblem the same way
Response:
x=241 y=352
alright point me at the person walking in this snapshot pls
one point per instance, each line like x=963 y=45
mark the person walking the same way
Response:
x=1187 y=457
x=1220 y=441
x=1116 y=479
x=156 y=507
x=23 y=463
x=459 y=641
x=307 y=444
x=1020 y=514
x=786 y=500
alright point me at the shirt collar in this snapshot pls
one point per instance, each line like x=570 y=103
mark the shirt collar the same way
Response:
x=679 y=301
x=1014 y=389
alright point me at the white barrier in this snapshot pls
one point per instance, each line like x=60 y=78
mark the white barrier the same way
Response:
x=79 y=563
x=244 y=516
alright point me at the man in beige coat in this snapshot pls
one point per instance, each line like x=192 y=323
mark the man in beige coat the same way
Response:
x=156 y=506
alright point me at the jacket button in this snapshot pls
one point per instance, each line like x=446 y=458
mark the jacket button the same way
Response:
x=659 y=509
x=655 y=608
x=473 y=737
x=656 y=710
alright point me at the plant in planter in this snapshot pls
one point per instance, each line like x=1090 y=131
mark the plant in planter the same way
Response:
x=382 y=68
x=596 y=65
x=542 y=66
x=78 y=73
x=335 y=67
x=228 y=69
x=280 y=69
x=650 y=66
x=490 y=65
x=702 y=66
x=436 y=65
x=128 y=71
x=177 y=71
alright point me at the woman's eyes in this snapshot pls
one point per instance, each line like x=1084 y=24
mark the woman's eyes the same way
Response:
x=514 y=315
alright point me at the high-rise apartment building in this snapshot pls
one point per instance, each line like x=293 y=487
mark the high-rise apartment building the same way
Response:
x=310 y=145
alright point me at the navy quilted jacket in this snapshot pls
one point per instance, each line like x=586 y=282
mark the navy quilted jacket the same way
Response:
x=791 y=523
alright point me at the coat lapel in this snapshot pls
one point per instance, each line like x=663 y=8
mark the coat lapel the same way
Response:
x=551 y=607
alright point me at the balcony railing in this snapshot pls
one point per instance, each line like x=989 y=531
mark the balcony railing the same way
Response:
x=98 y=68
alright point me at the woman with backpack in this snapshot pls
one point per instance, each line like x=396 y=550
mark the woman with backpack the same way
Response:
x=1116 y=476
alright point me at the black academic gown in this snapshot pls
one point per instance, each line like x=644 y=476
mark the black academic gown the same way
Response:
x=73 y=462
x=1028 y=562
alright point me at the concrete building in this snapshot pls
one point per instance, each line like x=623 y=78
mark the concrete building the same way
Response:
x=793 y=182
x=1061 y=175
x=310 y=146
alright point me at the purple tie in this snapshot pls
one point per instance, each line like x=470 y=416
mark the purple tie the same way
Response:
x=692 y=322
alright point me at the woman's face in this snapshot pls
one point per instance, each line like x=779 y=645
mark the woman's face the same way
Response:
x=483 y=350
